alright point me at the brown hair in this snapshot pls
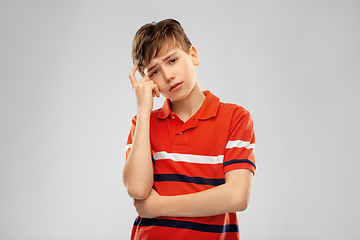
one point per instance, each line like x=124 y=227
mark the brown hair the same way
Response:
x=153 y=38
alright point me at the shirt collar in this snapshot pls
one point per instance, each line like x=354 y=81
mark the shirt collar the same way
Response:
x=207 y=110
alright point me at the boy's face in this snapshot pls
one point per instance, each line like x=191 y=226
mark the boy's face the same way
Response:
x=174 y=72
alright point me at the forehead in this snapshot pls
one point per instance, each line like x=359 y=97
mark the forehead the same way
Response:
x=162 y=55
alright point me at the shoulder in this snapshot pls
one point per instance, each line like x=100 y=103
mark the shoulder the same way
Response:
x=234 y=110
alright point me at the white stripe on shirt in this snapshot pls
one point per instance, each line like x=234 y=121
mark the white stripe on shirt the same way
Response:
x=177 y=157
x=239 y=144
x=128 y=146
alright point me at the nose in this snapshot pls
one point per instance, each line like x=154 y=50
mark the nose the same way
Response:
x=168 y=75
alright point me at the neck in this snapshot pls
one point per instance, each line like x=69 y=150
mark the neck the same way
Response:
x=187 y=107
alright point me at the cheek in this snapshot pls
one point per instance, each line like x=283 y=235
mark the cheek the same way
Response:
x=191 y=72
x=161 y=88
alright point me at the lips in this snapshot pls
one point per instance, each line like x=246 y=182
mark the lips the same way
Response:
x=175 y=86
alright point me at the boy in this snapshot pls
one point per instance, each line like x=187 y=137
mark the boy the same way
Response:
x=189 y=165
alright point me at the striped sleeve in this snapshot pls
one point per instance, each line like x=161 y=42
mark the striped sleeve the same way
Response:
x=239 y=152
x=130 y=137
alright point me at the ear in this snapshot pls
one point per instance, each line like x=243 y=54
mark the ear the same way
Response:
x=194 y=55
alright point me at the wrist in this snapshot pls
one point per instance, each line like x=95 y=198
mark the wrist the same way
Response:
x=169 y=206
x=162 y=207
x=143 y=114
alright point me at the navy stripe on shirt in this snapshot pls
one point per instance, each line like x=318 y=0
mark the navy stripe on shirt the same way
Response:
x=187 y=179
x=201 y=227
x=238 y=161
x=152 y=159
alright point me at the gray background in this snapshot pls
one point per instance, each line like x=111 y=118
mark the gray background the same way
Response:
x=66 y=105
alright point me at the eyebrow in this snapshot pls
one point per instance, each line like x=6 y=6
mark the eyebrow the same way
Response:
x=164 y=60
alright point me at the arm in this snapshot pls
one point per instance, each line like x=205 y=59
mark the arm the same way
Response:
x=138 y=169
x=233 y=196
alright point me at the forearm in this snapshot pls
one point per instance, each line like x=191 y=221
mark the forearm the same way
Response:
x=229 y=197
x=138 y=169
x=211 y=202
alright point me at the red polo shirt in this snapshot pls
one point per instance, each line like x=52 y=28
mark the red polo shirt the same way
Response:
x=194 y=156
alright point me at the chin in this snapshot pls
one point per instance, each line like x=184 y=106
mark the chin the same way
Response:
x=179 y=97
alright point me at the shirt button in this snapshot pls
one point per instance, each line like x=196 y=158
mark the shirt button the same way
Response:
x=181 y=133
x=173 y=117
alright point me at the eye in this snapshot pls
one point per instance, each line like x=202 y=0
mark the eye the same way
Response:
x=153 y=73
x=173 y=60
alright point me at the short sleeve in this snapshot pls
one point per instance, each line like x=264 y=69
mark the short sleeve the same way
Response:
x=131 y=138
x=239 y=152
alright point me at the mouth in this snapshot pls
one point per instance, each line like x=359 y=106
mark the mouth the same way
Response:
x=175 y=87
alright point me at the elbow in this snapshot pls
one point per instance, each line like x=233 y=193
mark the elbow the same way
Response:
x=138 y=193
x=241 y=202
x=242 y=206
x=137 y=189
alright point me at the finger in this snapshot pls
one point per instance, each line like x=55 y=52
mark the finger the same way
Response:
x=157 y=91
x=154 y=92
x=132 y=75
x=146 y=82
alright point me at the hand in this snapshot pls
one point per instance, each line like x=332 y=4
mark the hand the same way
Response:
x=145 y=90
x=150 y=207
